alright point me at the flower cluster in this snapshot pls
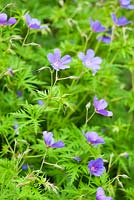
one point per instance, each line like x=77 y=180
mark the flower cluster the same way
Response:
x=96 y=167
x=122 y=21
x=126 y=4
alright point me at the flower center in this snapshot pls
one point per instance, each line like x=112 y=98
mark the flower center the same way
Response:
x=57 y=63
x=87 y=62
x=92 y=168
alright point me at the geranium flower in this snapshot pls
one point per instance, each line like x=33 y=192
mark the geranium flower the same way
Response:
x=90 y=61
x=4 y=21
x=96 y=167
x=104 y=38
x=33 y=23
x=49 y=140
x=100 y=106
x=25 y=167
x=40 y=102
x=19 y=93
x=94 y=139
x=122 y=21
x=100 y=194
x=57 y=62
x=96 y=26
x=126 y=4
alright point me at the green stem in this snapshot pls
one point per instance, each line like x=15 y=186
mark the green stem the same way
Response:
x=87 y=40
x=54 y=165
x=23 y=44
x=43 y=161
x=56 y=78
x=88 y=119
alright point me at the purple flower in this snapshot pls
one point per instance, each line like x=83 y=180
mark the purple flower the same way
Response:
x=90 y=61
x=57 y=62
x=94 y=139
x=4 y=21
x=19 y=93
x=96 y=26
x=122 y=21
x=96 y=167
x=49 y=140
x=33 y=23
x=126 y=4
x=100 y=194
x=40 y=102
x=25 y=167
x=104 y=38
x=15 y=127
x=77 y=159
x=100 y=106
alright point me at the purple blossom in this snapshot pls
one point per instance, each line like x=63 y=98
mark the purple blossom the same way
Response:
x=122 y=21
x=49 y=140
x=19 y=93
x=96 y=26
x=94 y=139
x=100 y=194
x=96 y=167
x=33 y=23
x=126 y=4
x=4 y=21
x=57 y=62
x=25 y=167
x=15 y=127
x=40 y=102
x=104 y=38
x=100 y=106
x=90 y=61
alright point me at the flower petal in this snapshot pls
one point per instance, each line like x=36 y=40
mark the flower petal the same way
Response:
x=57 y=53
x=105 y=113
x=51 y=58
x=3 y=18
x=123 y=21
x=104 y=38
x=28 y=18
x=100 y=193
x=90 y=53
x=115 y=20
x=11 y=21
x=124 y=2
x=66 y=59
x=101 y=104
x=58 y=144
x=48 y=138
x=91 y=136
x=96 y=60
x=81 y=55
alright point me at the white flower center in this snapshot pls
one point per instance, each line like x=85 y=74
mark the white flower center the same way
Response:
x=87 y=62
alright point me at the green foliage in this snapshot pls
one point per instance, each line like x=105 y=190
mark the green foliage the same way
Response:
x=67 y=102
